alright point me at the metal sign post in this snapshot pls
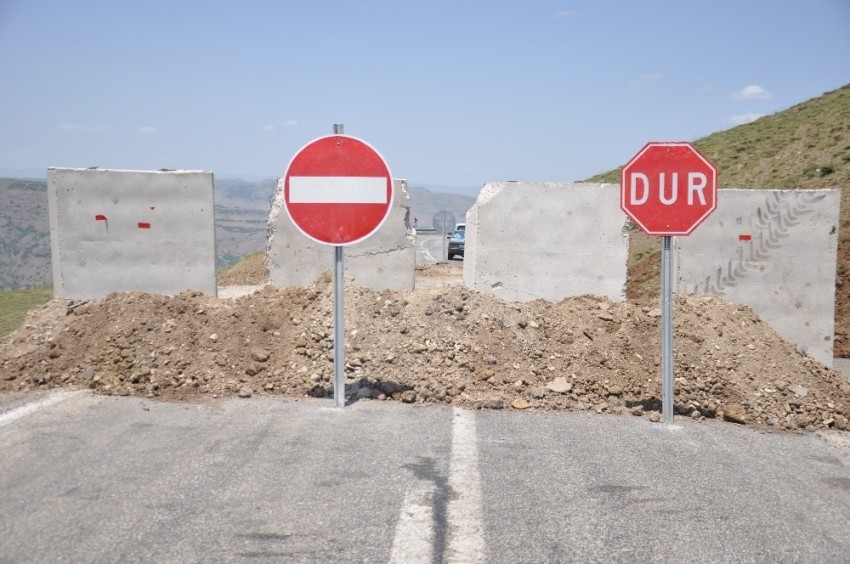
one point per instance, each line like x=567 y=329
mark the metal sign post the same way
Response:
x=338 y=191
x=668 y=189
x=339 y=328
x=666 y=332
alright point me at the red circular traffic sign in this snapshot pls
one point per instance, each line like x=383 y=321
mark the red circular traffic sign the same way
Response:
x=338 y=190
x=668 y=188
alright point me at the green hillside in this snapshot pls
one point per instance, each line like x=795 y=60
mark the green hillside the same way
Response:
x=14 y=305
x=24 y=234
x=805 y=146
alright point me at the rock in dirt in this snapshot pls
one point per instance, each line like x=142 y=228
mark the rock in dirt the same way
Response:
x=799 y=391
x=559 y=385
x=520 y=403
x=735 y=413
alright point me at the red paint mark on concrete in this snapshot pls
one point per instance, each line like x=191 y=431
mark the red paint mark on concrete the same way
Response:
x=745 y=237
x=100 y=217
x=144 y=225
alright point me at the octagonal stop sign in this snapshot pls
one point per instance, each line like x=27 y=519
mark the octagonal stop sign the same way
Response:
x=668 y=188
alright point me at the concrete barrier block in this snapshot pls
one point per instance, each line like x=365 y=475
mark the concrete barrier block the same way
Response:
x=527 y=241
x=775 y=251
x=126 y=231
x=384 y=261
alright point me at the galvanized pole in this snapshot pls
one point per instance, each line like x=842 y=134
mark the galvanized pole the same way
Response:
x=339 y=316
x=666 y=333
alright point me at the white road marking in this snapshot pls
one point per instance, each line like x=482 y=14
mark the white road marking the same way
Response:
x=337 y=190
x=426 y=252
x=428 y=255
x=466 y=528
x=26 y=409
x=414 y=535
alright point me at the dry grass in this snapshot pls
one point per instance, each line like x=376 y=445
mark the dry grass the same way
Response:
x=14 y=305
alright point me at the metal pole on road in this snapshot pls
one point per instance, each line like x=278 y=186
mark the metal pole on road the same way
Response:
x=339 y=328
x=666 y=333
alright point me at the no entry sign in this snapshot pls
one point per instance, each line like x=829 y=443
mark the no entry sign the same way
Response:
x=668 y=188
x=338 y=190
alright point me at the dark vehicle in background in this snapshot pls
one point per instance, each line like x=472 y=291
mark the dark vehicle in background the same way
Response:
x=456 y=243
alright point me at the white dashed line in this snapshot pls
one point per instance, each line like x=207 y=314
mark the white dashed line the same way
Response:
x=457 y=500
x=414 y=535
x=466 y=529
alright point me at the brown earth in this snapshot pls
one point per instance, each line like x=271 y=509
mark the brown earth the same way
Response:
x=248 y=272
x=645 y=273
x=445 y=344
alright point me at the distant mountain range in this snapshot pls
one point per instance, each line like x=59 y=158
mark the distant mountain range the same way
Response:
x=24 y=234
x=241 y=218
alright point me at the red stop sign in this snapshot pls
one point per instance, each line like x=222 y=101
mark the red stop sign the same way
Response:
x=668 y=188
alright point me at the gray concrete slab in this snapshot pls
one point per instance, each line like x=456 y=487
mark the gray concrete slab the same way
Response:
x=527 y=241
x=131 y=231
x=775 y=251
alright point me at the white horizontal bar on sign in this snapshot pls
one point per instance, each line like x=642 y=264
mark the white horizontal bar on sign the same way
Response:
x=337 y=190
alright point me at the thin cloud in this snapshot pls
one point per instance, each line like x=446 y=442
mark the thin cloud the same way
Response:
x=751 y=92
x=564 y=14
x=146 y=130
x=70 y=126
x=271 y=127
x=744 y=118
x=644 y=80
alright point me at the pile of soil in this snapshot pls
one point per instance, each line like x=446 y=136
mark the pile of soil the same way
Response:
x=644 y=280
x=447 y=344
x=251 y=270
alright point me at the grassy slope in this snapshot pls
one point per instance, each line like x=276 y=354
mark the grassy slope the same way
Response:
x=805 y=146
x=14 y=305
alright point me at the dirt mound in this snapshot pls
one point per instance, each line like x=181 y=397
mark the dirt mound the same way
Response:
x=439 y=269
x=448 y=345
x=249 y=271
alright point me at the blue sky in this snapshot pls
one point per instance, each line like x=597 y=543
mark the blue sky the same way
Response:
x=452 y=93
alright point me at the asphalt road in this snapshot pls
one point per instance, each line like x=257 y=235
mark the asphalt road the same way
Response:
x=87 y=478
x=430 y=247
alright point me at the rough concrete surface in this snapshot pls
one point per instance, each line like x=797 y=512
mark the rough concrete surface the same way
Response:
x=775 y=251
x=527 y=241
x=125 y=231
